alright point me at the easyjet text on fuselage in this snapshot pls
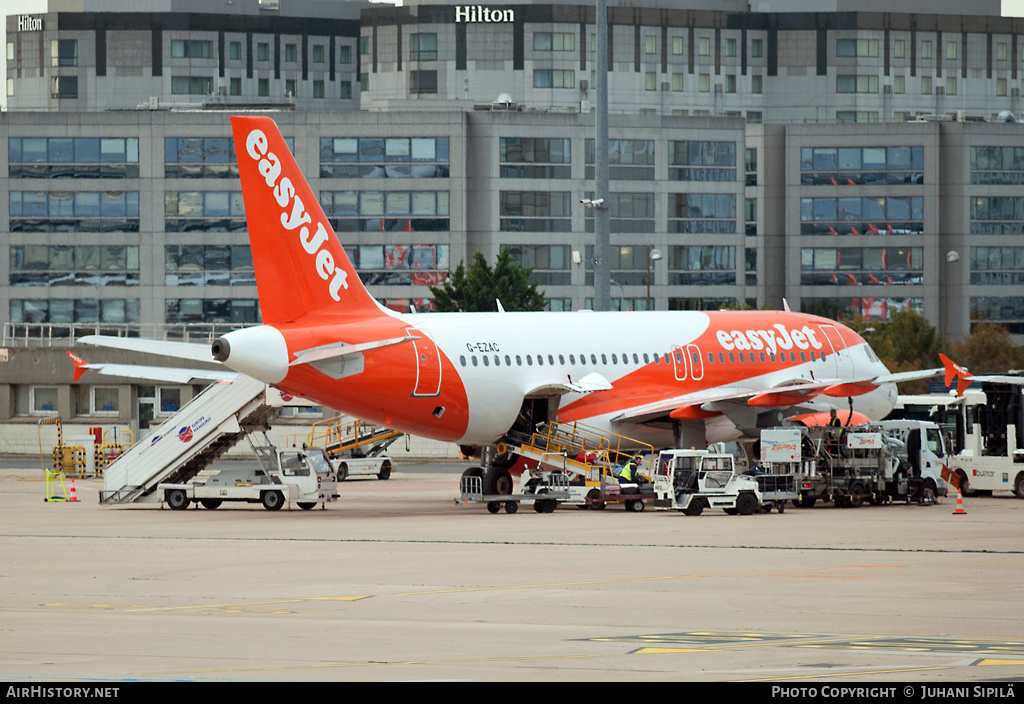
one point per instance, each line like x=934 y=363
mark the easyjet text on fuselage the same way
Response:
x=773 y=339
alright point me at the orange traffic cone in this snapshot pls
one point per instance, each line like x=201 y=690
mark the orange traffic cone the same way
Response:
x=959 y=503
x=74 y=497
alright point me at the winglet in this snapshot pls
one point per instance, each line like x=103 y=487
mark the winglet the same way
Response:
x=80 y=366
x=955 y=371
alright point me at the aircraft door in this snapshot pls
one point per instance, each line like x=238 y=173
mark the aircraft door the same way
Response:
x=679 y=363
x=696 y=363
x=839 y=362
x=428 y=364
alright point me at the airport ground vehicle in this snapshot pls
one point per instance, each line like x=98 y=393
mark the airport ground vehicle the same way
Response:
x=692 y=480
x=884 y=461
x=355 y=448
x=987 y=426
x=303 y=476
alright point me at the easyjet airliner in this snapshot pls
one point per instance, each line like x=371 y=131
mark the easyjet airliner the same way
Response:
x=667 y=378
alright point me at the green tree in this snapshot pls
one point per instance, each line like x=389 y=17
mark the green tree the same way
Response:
x=989 y=349
x=476 y=288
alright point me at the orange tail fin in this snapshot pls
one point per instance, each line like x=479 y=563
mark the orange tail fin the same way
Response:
x=80 y=365
x=955 y=371
x=300 y=265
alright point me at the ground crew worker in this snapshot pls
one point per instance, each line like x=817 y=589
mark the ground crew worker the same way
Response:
x=837 y=433
x=627 y=473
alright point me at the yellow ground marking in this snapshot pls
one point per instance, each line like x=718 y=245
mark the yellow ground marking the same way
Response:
x=369 y=663
x=1016 y=663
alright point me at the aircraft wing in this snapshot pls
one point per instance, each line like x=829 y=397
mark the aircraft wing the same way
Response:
x=180 y=350
x=965 y=378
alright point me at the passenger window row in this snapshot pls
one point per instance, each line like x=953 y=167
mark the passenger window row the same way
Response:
x=626 y=358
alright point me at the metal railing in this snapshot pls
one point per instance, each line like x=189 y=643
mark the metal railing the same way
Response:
x=64 y=334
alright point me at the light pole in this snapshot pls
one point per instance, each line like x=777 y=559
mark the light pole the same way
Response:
x=952 y=257
x=653 y=255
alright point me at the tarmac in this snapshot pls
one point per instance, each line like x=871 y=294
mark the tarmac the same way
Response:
x=397 y=581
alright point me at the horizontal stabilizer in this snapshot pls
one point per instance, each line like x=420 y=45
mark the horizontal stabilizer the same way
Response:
x=172 y=375
x=165 y=348
x=341 y=349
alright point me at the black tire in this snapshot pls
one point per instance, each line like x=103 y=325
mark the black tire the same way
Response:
x=1018 y=486
x=177 y=499
x=550 y=505
x=306 y=505
x=594 y=500
x=636 y=506
x=538 y=506
x=965 y=484
x=342 y=472
x=385 y=472
x=857 y=494
x=731 y=511
x=746 y=504
x=781 y=506
x=272 y=500
x=511 y=506
x=804 y=501
x=498 y=482
x=928 y=494
x=493 y=506
x=210 y=503
x=695 y=508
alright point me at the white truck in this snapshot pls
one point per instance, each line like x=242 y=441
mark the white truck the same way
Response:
x=379 y=466
x=988 y=432
x=303 y=476
x=692 y=480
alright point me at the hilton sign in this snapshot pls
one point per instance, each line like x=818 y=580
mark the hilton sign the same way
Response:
x=28 y=23
x=478 y=13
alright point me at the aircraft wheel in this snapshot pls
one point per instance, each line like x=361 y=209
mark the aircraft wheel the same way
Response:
x=498 y=481
x=177 y=499
x=272 y=500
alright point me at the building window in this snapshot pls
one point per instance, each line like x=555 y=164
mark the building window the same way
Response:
x=344 y=54
x=677 y=46
x=64 y=87
x=650 y=81
x=191 y=49
x=422 y=82
x=898 y=84
x=730 y=47
x=191 y=85
x=1001 y=51
x=554 y=41
x=551 y=264
x=704 y=83
x=554 y=78
x=73 y=157
x=318 y=53
x=756 y=86
x=703 y=265
x=650 y=45
x=63 y=52
x=423 y=47
x=1000 y=86
x=704 y=46
x=346 y=89
x=211 y=310
x=702 y=161
x=756 y=48
x=677 y=82
x=863 y=48
x=208 y=265
x=950 y=50
x=291 y=53
x=97 y=400
x=926 y=85
x=204 y=211
x=262 y=51
x=707 y=213
x=42 y=400
x=199 y=157
x=390 y=211
x=236 y=86
x=951 y=85
x=535 y=211
x=730 y=84
x=899 y=49
x=364 y=46
x=263 y=87
x=235 y=51
x=535 y=157
x=318 y=89
x=64 y=311
x=856 y=84
x=629 y=213
x=926 y=50
x=628 y=159
x=289 y=88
